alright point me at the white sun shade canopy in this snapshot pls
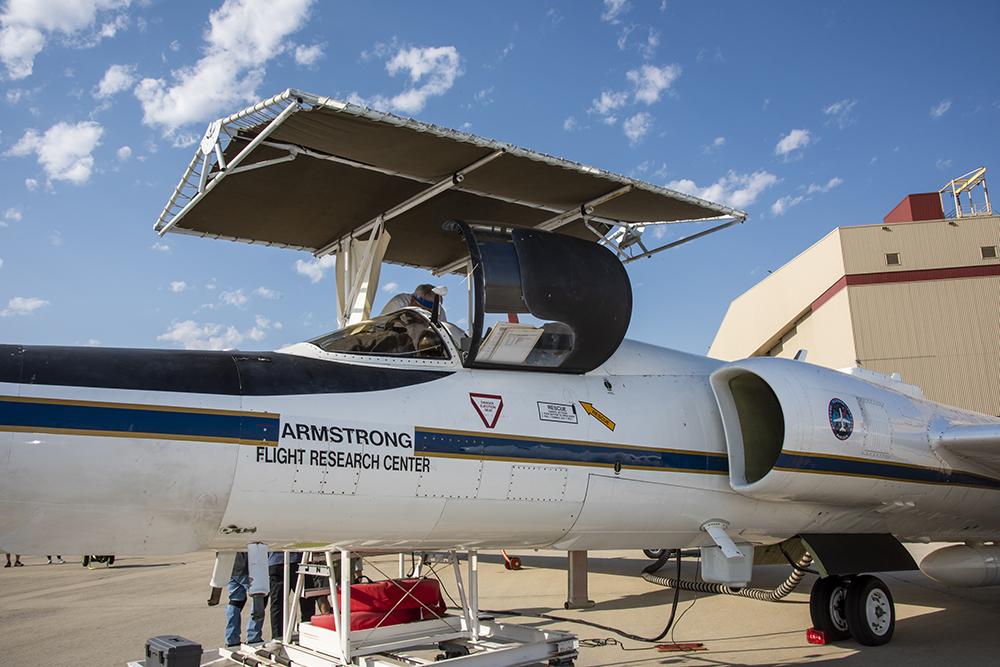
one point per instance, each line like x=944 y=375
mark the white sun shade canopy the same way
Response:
x=312 y=173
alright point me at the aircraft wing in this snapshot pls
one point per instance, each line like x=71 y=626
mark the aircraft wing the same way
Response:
x=978 y=444
x=310 y=173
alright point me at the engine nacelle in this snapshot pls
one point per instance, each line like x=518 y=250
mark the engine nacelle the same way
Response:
x=865 y=440
x=964 y=565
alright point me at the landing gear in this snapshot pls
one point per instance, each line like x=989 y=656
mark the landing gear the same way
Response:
x=871 y=615
x=860 y=607
x=656 y=554
x=827 y=607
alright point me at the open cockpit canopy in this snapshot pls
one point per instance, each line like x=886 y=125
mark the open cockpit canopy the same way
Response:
x=312 y=173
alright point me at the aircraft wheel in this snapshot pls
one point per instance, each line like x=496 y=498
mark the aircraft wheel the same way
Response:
x=828 y=607
x=515 y=563
x=655 y=554
x=86 y=561
x=871 y=615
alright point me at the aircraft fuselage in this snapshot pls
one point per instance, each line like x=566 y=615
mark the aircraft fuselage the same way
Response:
x=151 y=451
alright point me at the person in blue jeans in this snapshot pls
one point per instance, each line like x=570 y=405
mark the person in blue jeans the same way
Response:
x=239 y=585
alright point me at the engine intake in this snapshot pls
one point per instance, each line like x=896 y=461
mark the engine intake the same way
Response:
x=795 y=431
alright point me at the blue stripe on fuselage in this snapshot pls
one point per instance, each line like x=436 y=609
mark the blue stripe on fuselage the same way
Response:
x=460 y=444
x=36 y=415
x=852 y=467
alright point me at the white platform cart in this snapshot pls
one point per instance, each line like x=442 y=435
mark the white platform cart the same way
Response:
x=460 y=639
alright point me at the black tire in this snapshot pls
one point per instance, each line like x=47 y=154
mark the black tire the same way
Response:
x=828 y=607
x=871 y=614
x=86 y=561
x=515 y=563
x=655 y=554
x=111 y=561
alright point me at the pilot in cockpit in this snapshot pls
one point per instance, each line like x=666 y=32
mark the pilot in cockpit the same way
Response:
x=422 y=297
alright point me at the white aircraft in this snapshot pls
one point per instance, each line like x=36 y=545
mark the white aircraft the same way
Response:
x=395 y=433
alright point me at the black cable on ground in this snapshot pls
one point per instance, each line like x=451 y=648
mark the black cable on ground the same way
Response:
x=650 y=640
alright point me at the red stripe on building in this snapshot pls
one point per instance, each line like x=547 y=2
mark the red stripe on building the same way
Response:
x=906 y=277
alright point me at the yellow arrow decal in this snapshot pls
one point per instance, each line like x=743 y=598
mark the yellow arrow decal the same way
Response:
x=598 y=415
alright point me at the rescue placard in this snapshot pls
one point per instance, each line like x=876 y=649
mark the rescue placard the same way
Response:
x=557 y=412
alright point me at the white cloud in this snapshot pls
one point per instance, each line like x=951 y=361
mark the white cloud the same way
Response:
x=648 y=48
x=1 y=262
x=939 y=110
x=716 y=57
x=193 y=336
x=570 y=124
x=63 y=151
x=483 y=96
x=613 y=9
x=840 y=113
x=609 y=102
x=716 y=144
x=307 y=56
x=267 y=293
x=315 y=269
x=22 y=306
x=162 y=247
x=115 y=80
x=623 y=36
x=834 y=182
x=440 y=65
x=243 y=36
x=637 y=127
x=124 y=153
x=265 y=323
x=237 y=298
x=391 y=287
x=651 y=81
x=736 y=190
x=779 y=207
x=31 y=184
x=178 y=286
x=13 y=213
x=26 y=25
x=793 y=141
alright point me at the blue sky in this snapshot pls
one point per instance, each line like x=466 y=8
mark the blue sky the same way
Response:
x=806 y=115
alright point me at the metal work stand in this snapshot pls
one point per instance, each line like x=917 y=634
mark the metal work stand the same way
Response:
x=462 y=639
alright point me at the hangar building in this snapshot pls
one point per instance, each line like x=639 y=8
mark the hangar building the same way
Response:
x=918 y=295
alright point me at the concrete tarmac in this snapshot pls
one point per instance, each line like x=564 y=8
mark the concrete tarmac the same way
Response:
x=65 y=614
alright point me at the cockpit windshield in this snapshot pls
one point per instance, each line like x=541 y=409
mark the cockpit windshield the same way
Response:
x=404 y=333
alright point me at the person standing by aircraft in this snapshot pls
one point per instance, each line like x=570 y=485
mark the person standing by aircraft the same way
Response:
x=239 y=587
x=276 y=577
x=17 y=561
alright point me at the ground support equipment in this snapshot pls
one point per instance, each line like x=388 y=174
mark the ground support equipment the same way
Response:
x=461 y=639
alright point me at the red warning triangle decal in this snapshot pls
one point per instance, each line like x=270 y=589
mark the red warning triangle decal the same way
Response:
x=488 y=407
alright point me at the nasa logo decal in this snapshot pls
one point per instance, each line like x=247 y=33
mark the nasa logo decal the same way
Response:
x=841 y=420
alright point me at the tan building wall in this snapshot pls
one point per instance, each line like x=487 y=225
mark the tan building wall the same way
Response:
x=915 y=298
x=943 y=336
x=825 y=334
x=758 y=319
